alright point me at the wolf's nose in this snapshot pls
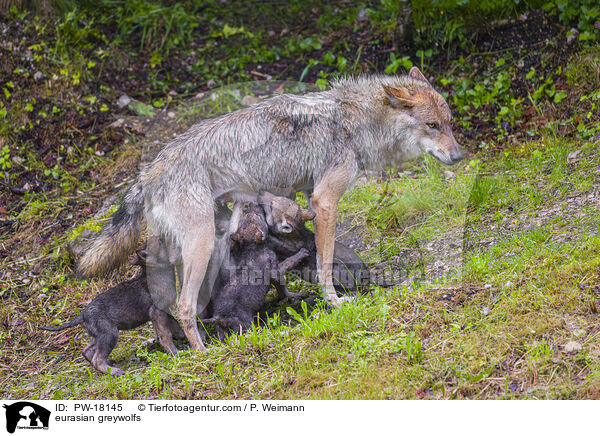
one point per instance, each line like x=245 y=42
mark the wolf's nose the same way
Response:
x=456 y=155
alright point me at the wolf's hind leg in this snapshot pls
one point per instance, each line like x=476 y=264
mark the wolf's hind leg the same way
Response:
x=88 y=352
x=196 y=251
x=105 y=343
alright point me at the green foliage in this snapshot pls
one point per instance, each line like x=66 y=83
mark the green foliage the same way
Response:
x=75 y=33
x=582 y=13
x=444 y=22
x=150 y=24
x=396 y=62
x=583 y=73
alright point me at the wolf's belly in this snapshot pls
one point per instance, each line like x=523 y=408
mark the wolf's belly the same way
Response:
x=250 y=181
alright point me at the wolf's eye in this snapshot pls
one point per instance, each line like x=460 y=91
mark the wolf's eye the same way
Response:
x=432 y=125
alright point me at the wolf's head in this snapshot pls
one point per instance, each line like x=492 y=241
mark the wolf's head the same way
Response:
x=421 y=117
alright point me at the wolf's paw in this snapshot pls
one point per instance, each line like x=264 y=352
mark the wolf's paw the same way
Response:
x=114 y=371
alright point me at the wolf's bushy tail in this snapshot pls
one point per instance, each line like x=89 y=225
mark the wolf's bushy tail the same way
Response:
x=116 y=240
x=67 y=325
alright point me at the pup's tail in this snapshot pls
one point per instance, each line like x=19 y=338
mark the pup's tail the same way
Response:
x=117 y=239
x=216 y=319
x=67 y=325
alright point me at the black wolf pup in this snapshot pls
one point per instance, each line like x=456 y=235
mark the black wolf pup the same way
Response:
x=123 y=307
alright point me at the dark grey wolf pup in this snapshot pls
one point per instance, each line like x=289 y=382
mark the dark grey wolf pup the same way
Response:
x=316 y=142
x=123 y=307
x=253 y=268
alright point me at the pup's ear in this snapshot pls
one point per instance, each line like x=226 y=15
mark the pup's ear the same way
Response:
x=307 y=215
x=399 y=97
x=140 y=257
x=415 y=73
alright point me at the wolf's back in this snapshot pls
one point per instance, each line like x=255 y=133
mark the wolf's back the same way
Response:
x=116 y=240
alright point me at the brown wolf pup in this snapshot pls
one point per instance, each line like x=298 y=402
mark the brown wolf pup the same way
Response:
x=255 y=268
x=288 y=233
x=316 y=142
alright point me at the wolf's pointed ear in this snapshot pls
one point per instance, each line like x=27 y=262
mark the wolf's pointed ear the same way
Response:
x=307 y=215
x=399 y=97
x=415 y=73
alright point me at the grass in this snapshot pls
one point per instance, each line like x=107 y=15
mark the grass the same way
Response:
x=496 y=329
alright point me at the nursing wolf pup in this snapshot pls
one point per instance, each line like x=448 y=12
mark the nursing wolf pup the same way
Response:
x=123 y=307
x=316 y=142
x=288 y=233
x=254 y=267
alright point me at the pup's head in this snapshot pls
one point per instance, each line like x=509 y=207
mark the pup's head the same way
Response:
x=430 y=128
x=284 y=216
x=252 y=229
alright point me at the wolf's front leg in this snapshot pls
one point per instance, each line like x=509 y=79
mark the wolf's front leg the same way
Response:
x=324 y=201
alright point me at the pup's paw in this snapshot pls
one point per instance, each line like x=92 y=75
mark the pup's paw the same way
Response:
x=303 y=252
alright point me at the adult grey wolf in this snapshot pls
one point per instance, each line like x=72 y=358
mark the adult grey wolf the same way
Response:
x=318 y=141
x=123 y=307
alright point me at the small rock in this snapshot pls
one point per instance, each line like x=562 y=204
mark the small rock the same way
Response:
x=123 y=101
x=572 y=347
x=571 y=157
x=249 y=100
x=211 y=83
x=171 y=114
x=485 y=311
x=38 y=75
x=449 y=175
x=509 y=284
x=487 y=286
x=117 y=124
x=26 y=281
x=362 y=16
x=572 y=35
x=199 y=95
